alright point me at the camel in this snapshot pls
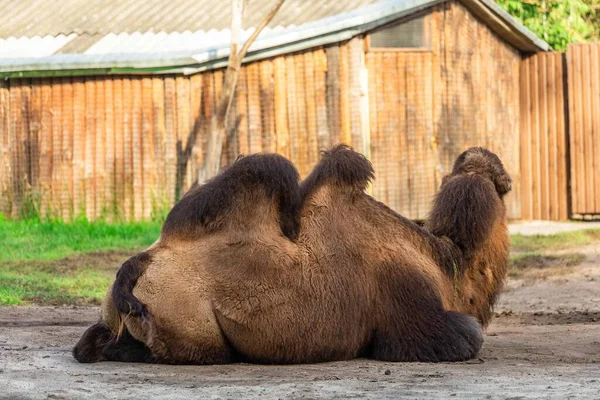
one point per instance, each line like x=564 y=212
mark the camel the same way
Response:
x=254 y=267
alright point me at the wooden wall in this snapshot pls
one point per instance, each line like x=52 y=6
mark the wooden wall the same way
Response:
x=401 y=104
x=543 y=138
x=429 y=105
x=114 y=146
x=584 y=128
x=477 y=86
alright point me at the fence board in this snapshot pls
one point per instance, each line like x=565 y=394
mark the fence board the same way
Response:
x=584 y=105
x=543 y=138
x=119 y=165
x=109 y=144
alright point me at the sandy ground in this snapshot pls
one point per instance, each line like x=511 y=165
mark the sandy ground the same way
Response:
x=543 y=343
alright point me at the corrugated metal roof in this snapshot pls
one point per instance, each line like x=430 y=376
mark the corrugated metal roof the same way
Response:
x=86 y=22
x=159 y=51
x=27 y=18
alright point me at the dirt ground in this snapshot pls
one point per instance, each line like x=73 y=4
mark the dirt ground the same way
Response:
x=543 y=343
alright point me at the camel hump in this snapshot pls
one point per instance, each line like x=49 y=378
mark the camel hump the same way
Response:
x=238 y=188
x=340 y=166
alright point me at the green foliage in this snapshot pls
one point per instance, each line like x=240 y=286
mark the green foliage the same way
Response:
x=557 y=22
x=50 y=240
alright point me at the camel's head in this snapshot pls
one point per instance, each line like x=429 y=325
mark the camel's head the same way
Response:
x=480 y=161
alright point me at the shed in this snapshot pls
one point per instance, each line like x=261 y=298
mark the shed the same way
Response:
x=99 y=98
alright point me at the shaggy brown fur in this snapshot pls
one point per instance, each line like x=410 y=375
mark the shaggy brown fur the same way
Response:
x=358 y=280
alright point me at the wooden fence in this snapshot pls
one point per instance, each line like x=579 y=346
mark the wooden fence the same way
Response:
x=560 y=133
x=114 y=146
x=584 y=127
x=543 y=138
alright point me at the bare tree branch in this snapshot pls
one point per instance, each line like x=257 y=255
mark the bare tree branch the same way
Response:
x=219 y=120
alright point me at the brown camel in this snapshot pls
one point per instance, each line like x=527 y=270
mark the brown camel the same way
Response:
x=253 y=267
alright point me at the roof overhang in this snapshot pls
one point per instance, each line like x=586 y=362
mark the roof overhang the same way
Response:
x=323 y=32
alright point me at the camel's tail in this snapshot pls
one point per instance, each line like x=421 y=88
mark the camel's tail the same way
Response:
x=122 y=291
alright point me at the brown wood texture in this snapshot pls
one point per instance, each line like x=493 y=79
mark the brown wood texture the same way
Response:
x=543 y=138
x=114 y=146
x=584 y=130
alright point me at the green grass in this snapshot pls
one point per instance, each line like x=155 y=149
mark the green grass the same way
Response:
x=65 y=263
x=84 y=285
x=36 y=240
x=559 y=241
x=73 y=263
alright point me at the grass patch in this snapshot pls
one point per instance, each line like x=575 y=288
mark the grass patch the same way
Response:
x=51 y=263
x=559 y=241
x=538 y=266
x=77 y=279
x=35 y=240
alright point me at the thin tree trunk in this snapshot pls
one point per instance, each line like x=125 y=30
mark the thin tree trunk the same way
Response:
x=218 y=123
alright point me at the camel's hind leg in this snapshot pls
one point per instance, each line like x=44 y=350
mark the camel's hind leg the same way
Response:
x=419 y=329
x=98 y=343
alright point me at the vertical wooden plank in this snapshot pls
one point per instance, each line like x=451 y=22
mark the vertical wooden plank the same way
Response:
x=323 y=134
x=535 y=143
x=345 y=133
x=120 y=127
x=562 y=187
x=414 y=150
x=514 y=144
x=35 y=106
x=46 y=148
x=377 y=146
x=543 y=136
x=197 y=122
x=386 y=136
x=136 y=146
x=160 y=151
x=281 y=122
x=390 y=128
x=355 y=55
x=426 y=118
x=109 y=149
x=588 y=134
x=311 y=143
x=67 y=189
x=90 y=148
x=79 y=142
x=242 y=107
x=183 y=117
x=525 y=120
x=553 y=161
x=57 y=154
x=171 y=138
x=100 y=154
x=577 y=161
x=16 y=122
x=301 y=127
x=595 y=50
x=24 y=137
x=128 y=191
x=254 y=111
x=572 y=131
x=209 y=103
x=148 y=156
x=292 y=109
x=218 y=77
x=267 y=102
x=333 y=94
x=5 y=149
